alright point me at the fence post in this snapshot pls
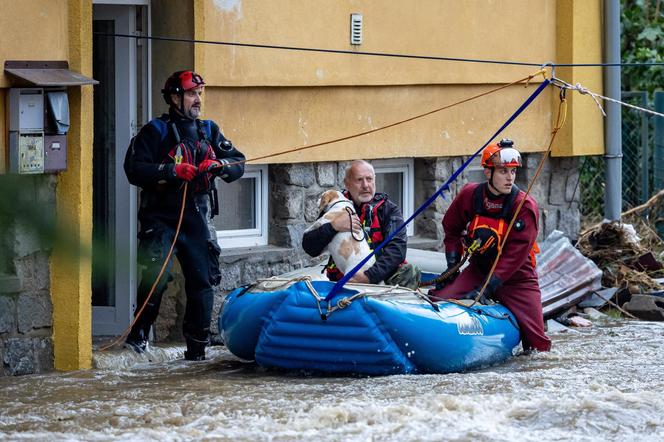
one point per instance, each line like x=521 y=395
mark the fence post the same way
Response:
x=612 y=122
x=658 y=154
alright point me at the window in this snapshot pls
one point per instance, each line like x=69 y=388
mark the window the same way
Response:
x=396 y=178
x=242 y=219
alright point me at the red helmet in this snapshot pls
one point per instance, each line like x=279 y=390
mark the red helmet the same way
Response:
x=179 y=82
x=501 y=154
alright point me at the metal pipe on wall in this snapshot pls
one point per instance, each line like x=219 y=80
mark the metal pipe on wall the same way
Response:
x=613 y=122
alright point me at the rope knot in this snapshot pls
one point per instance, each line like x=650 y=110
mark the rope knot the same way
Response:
x=582 y=90
x=343 y=302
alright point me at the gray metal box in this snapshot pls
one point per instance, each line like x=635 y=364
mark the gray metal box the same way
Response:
x=26 y=110
x=55 y=153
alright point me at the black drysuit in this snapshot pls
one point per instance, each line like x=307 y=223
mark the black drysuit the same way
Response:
x=149 y=164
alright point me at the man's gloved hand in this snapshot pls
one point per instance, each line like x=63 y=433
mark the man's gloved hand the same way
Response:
x=452 y=259
x=209 y=166
x=489 y=292
x=185 y=171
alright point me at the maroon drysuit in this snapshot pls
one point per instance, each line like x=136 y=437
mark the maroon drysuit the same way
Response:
x=519 y=291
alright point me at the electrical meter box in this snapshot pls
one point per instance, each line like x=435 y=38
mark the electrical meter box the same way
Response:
x=38 y=125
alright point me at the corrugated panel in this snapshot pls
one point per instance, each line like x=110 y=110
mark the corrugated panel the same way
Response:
x=565 y=275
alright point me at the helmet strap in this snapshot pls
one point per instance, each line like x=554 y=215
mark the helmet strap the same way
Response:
x=492 y=187
x=182 y=103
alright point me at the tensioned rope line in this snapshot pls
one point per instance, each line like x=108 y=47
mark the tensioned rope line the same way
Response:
x=440 y=191
x=585 y=91
x=367 y=132
x=373 y=54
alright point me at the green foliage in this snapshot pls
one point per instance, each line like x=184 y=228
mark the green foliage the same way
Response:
x=642 y=40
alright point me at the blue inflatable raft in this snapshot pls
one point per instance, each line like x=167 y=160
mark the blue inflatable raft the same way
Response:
x=374 y=330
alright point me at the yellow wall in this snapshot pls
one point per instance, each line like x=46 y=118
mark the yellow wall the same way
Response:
x=516 y=30
x=579 y=40
x=42 y=37
x=270 y=100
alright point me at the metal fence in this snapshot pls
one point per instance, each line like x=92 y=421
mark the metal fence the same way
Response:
x=642 y=162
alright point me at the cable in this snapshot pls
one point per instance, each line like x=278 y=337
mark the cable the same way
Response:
x=371 y=54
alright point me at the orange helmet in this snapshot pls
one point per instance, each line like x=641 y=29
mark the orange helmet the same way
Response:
x=501 y=154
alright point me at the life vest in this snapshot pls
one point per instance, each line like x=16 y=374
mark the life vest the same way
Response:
x=192 y=152
x=486 y=231
x=368 y=215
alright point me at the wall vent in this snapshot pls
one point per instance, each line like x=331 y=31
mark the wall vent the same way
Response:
x=356 y=29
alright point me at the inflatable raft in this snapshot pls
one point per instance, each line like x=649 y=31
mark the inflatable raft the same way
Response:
x=365 y=329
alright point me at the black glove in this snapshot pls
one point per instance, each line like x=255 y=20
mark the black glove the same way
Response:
x=489 y=291
x=452 y=259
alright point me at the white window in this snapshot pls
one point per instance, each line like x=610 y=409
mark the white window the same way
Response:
x=242 y=219
x=396 y=178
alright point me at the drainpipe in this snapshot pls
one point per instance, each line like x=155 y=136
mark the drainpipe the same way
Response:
x=612 y=123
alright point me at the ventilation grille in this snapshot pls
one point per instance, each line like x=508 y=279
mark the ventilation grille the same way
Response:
x=356 y=29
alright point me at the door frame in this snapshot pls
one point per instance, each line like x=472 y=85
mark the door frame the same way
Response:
x=113 y=320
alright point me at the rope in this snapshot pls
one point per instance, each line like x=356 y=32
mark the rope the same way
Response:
x=360 y=134
x=560 y=121
x=595 y=96
x=374 y=54
x=440 y=191
x=161 y=272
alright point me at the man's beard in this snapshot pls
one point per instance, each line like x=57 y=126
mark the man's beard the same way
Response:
x=193 y=112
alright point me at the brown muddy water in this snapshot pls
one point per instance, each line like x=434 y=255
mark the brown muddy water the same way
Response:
x=604 y=383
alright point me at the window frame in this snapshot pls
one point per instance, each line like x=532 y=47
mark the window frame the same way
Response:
x=257 y=236
x=406 y=166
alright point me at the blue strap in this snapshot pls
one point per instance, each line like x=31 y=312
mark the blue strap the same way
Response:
x=207 y=128
x=162 y=127
x=446 y=186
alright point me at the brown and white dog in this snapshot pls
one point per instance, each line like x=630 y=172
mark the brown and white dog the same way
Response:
x=345 y=249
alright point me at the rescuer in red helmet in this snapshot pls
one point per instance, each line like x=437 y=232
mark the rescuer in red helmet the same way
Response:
x=479 y=216
x=175 y=148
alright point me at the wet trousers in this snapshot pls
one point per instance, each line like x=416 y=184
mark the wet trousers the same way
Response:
x=521 y=295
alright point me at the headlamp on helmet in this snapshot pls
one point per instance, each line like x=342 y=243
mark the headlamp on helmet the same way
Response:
x=501 y=154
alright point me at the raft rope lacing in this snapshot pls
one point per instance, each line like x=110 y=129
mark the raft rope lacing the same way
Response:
x=269 y=285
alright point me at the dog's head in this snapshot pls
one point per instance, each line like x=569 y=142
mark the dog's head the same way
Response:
x=328 y=198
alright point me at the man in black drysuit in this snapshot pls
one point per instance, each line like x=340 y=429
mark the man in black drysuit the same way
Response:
x=169 y=151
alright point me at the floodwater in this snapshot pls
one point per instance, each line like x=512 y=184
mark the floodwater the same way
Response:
x=603 y=383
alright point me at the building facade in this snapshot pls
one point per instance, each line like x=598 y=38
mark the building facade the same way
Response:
x=53 y=299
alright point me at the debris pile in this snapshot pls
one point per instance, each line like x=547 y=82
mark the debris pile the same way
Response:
x=631 y=262
x=616 y=249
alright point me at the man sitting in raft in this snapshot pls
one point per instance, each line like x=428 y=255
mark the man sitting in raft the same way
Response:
x=378 y=216
x=477 y=220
